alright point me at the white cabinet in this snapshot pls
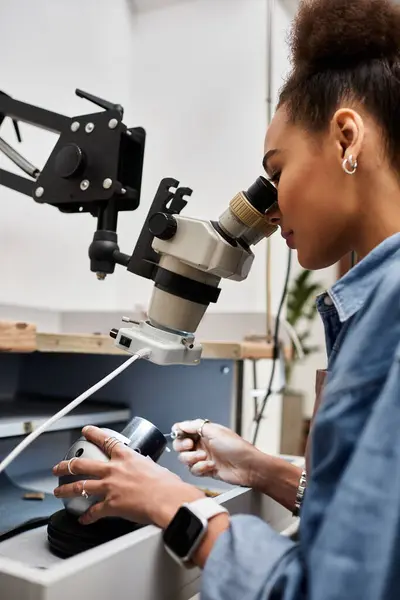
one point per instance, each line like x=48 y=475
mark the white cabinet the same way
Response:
x=133 y=566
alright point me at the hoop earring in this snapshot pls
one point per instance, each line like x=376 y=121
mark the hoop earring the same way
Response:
x=350 y=162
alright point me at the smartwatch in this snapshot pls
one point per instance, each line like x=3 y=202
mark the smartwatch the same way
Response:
x=187 y=529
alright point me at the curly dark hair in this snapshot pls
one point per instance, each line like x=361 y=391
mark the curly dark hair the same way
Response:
x=346 y=50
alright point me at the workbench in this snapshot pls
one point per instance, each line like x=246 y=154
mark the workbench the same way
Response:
x=39 y=373
x=49 y=350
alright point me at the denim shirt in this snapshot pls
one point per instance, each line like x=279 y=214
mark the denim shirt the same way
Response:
x=349 y=544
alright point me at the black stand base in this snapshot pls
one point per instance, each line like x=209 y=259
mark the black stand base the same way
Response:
x=67 y=537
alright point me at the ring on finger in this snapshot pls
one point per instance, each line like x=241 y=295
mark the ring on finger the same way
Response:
x=111 y=445
x=69 y=465
x=107 y=443
x=84 y=492
x=200 y=429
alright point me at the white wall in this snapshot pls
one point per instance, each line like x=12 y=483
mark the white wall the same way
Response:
x=191 y=72
x=304 y=373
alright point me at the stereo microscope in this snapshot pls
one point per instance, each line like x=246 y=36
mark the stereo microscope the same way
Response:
x=96 y=167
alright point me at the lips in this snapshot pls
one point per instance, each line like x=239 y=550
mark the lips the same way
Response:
x=288 y=236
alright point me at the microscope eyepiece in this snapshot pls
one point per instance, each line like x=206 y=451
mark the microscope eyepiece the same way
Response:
x=262 y=195
x=246 y=219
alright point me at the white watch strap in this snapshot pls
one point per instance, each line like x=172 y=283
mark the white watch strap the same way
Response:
x=206 y=508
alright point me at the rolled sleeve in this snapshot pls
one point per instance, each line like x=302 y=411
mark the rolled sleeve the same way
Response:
x=251 y=561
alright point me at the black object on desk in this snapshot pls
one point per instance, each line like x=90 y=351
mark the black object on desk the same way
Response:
x=68 y=537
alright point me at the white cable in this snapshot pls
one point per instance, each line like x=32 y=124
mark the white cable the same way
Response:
x=294 y=337
x=67 y=409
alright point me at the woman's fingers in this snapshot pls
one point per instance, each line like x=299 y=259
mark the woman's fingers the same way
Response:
x=203 y=468
x=191 y=427
x=81 y=466
x=95 y=512
x=93 y=487
x=109 y=445
x=183 y=445
x=191 y=458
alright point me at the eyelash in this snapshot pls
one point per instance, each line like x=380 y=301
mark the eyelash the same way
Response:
x=275 y=178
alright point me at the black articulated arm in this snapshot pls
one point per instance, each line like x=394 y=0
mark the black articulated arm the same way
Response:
x=95 y=167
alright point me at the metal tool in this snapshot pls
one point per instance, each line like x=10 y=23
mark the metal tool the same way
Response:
x=180 y=435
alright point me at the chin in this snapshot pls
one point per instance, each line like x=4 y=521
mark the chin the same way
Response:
x=314 y=261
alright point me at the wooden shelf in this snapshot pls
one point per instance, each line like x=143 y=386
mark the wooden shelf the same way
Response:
x=22 y=417
x=17 y=337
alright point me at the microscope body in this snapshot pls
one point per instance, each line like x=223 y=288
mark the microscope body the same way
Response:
x=193 y=255
x=96 y=166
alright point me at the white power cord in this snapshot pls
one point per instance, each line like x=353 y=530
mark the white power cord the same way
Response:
x=67 y=409
x=294 y=337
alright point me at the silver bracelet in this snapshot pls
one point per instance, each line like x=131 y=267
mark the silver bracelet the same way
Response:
x=300 y=494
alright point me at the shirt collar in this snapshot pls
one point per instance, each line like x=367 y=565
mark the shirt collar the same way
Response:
x=350 y=293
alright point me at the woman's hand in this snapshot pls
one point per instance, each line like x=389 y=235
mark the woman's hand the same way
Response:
x=131 y=486
x=219 y=453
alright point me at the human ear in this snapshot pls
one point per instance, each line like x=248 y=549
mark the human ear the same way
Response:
x=348 y=130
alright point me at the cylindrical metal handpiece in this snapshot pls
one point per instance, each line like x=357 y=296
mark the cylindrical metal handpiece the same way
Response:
x=145 y=438
x=140 y=435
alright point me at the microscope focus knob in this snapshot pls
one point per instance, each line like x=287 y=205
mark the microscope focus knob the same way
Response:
x=69 y=161
x=163 y=226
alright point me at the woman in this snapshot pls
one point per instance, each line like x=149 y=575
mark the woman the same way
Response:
x=333 y=151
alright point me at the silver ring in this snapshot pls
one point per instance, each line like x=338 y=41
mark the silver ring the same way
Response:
x=106 y=441
x=84 y=492
x=69 y=465
x=112 y=442
x=200 y=429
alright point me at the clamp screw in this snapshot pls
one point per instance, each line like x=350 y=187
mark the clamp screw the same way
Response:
x=84 y=185
x=89 y=127
x=75 y=126
x=107 y=183
x=129 y=320
x=112 y=124
x=101 y=276
x=39 y=192
x=188 y=343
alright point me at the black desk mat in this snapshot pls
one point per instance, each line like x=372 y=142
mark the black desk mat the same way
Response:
x=17 y=513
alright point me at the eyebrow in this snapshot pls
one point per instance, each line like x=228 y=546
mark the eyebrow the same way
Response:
x=266 y=158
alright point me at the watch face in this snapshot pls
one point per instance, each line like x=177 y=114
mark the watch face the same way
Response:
x=182 y=532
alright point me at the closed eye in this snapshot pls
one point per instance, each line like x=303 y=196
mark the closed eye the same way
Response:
x=275 y=178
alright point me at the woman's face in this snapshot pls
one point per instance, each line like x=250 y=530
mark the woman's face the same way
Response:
x=317 y=200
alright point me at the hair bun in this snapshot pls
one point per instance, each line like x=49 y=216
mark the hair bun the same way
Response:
x=339 y=34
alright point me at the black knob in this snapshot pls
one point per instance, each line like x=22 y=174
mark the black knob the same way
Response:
x=69 y=161
x=114 y=333
x=163 y=226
